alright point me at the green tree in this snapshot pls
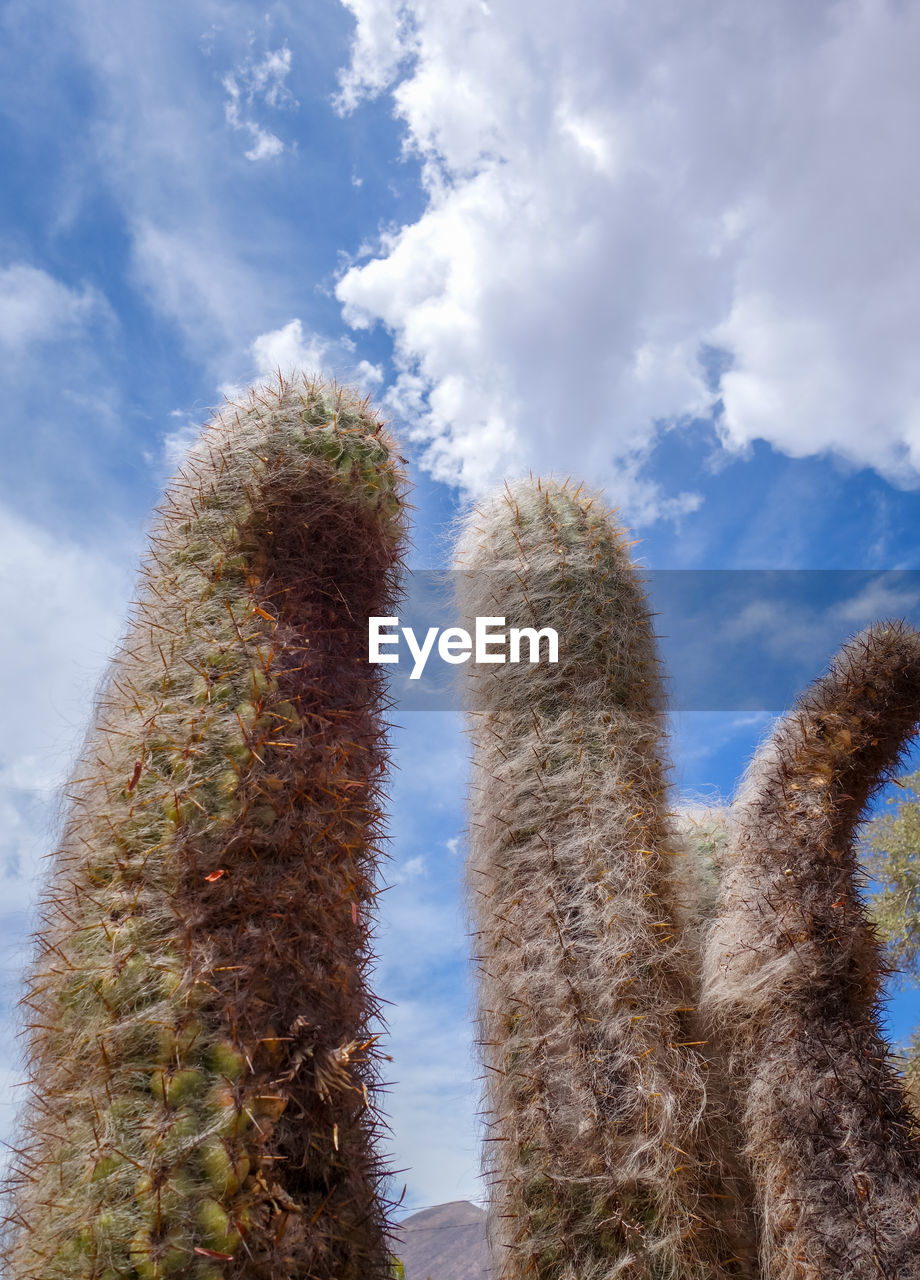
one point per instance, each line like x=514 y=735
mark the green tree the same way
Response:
x=891 y=856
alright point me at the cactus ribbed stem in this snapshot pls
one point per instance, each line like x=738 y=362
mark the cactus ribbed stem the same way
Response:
x=792 y=979
x=201 y=1047
x=593 y=1097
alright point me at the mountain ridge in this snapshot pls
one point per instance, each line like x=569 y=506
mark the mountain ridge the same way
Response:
x=445 y=1242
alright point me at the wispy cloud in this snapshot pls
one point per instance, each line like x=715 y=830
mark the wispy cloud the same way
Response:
x=35 y=307
x=250 y=84
x=207 y=252
x=433 y=1106
x=63 y=614
x=424 y=966
x=194 y=279
x=885 y=596
x=66 y=605
x=176 y=443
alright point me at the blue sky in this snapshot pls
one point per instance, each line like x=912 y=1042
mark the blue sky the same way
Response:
x=667 y=249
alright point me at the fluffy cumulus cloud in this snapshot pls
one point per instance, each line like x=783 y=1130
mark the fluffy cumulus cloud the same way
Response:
x=293 y=349
x=289 y=349
x=638 y=214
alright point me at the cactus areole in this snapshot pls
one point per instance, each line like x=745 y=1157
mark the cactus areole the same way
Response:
x=201 y=1030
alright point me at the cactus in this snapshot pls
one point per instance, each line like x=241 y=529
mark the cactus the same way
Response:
x=594 y=1098
x=792 y=979
x=911 y=1066
x=202 y=1047
x=702 y=837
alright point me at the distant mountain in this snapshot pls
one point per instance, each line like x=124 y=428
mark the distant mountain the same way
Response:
x=447 y=1242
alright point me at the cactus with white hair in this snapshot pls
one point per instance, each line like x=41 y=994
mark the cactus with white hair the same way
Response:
x=594 y=1096
x=792 y=979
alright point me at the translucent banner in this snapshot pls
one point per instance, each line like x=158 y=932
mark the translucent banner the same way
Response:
x=729 y=640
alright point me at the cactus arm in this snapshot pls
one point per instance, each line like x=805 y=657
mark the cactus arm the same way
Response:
x=201 y=1047
x=792 y=978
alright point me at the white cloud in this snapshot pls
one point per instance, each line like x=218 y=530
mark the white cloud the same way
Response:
x=264 y=143
x=208 y=249
x=609 y=188
x=34 y=307
x=63 y=615
x=379 y=45
x=266 y=79
x=369 y=375
x=293 y=350
x=250 y=83
x=289 y=349
x=883 y=597
x=65 y=609
x=411 y=868
x=194 y=280
x=177 y=443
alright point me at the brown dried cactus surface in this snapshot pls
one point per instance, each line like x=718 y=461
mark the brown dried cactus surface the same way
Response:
x=792 y=978
x=200 y=1037
x=593 y=1097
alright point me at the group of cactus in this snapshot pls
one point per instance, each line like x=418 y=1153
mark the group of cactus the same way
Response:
x=686 y=1073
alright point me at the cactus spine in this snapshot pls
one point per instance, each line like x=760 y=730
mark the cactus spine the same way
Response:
x=593 y=1096
x=792 y=975
x=201 y=1046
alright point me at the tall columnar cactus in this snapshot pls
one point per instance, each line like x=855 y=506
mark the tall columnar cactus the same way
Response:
x=593 y=1095
x=792 y=974
x=202 y=1043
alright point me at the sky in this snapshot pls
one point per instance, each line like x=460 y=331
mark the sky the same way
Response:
x=668 y=250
